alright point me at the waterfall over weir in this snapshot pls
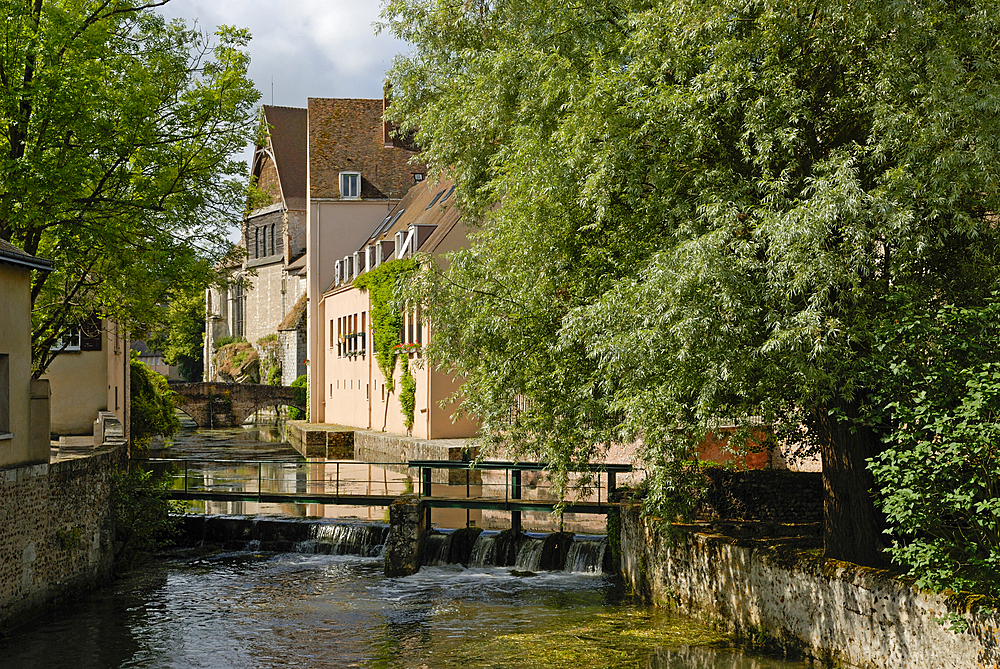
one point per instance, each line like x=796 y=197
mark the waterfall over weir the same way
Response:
x=557 y=551
x=470 y=547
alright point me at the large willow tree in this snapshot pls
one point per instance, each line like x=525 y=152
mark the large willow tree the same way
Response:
x=117 y=132
x=702 y=211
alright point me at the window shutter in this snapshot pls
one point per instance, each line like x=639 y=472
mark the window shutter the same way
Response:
x=90 y=335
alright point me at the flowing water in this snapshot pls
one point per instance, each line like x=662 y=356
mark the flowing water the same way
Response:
x=329 y=605
x=306 y=610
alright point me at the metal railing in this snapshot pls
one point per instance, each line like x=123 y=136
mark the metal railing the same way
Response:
x=466 y=484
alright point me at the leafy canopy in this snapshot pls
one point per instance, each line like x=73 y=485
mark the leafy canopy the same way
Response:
x=116 y=136
x=697 y=212
x=182 y=338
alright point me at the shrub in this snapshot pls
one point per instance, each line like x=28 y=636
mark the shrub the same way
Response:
x=144 y=518
x=152 y=410
x=301 y=394
x=939 y=475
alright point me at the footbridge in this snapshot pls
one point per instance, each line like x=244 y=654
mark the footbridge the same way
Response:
x=503 y=486
x=228 y=404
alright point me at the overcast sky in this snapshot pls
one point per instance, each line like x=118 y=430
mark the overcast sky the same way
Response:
x=309 y=48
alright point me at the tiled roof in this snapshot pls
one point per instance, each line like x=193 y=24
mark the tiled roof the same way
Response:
x=425 y=204
x=289 y=134
x=11 y=254
x=295 y=316
x=347 y=135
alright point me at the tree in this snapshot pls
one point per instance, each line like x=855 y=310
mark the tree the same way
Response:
x=701 y=211
x=152 y=412
x=183 y=336
x=939 y=474
x=116 y=136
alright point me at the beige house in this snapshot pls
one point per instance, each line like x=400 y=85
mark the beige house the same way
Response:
x=328 y=174
x=357 y=175
x=90 y=375
x=353 y=391
x=24 y=428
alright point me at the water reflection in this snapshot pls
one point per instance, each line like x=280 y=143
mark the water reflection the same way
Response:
x=247 y=610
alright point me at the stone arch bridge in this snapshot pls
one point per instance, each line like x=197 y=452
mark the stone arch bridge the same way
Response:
x=228 y=404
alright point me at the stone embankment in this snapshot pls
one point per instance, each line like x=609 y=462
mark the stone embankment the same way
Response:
x=321 y=440
x=56 y=531
x=754 y=583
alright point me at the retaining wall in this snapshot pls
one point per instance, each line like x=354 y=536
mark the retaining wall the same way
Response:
x=56 y=533
x=766 y=495
x=383 y=447
x=833 y=611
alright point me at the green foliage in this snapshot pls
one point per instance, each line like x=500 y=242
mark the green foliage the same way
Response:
x=382 y=284
x=270 y=359
x=237 y=362
x=407 y=394
x=940 y=472
x=696 y=212
x=152 y=410
x=301 y=394
x=145 y=519
x=116 y=156
x=225 y=341
x=183 y=336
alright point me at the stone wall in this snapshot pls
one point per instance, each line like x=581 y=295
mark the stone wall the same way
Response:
x=293 y=354
x=319 y=440
x=384 y=447
x=766 y=495
x=796 y=600
x=55 y=533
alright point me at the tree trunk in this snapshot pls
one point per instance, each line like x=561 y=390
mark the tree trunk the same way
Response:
x=853 y=527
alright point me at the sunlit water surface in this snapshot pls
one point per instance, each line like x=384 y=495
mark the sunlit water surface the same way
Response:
x=295 y=610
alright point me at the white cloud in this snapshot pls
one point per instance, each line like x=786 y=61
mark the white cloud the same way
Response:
x=309 y=48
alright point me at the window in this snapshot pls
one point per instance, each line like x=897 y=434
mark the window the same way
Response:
x=350 y=186
x=274 y=248
x=256 y=242
x=5 y=396
x=69 y=341
x=434 y=201
x=417 y=177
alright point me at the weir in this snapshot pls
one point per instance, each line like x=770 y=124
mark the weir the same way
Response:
x=468 y=547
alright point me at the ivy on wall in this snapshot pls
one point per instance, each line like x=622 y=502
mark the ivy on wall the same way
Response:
x=407 y=394
x=387 y=318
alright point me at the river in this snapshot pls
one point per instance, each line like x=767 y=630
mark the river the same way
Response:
x=251 y=609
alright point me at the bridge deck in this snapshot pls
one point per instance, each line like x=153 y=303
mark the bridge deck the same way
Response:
x=484 y=503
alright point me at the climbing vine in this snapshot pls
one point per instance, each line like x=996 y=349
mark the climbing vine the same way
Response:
x=386 y=313
x=407 y=394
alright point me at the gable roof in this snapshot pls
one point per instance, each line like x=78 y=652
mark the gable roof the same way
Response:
x=288 y=137
x=425 y=204
x=348 y=135
x=15 y=256
x=434 y=206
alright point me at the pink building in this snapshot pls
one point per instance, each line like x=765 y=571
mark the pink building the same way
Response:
x=351 y=389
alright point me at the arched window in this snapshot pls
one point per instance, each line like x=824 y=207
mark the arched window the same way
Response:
x=274 y=249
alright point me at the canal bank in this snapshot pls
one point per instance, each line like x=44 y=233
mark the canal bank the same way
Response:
x=56 y=530
x=750 y=582
x=331 y=605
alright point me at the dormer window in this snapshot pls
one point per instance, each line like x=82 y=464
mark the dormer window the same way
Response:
x=350 y=185
x=418 y=177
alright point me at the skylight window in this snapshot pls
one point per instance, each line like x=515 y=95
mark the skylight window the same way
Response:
x=448 y=194
x=350 y=185
x=434 y=201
